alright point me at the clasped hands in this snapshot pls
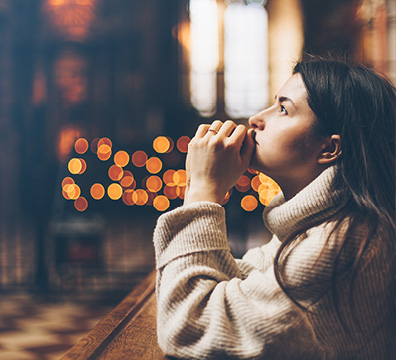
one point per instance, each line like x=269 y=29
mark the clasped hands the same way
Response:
x=217 y=156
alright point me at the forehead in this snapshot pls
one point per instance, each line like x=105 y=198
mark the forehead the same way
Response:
x=294 y=89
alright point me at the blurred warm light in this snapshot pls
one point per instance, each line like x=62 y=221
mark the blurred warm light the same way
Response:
x=67 y=181
x=171 y=192
x=97 y=191
x=121 y=158
x=180 y=177
x=81 y=203
x=70 y=77
x=104 y=151
x=154 y=165
x=226 y=198
x=182 y=33
x=81 y=145
x=172 y=182
x=139 y=158
x=161 y=144
x=74 y=166
x=249 y=203
x=127 y=197
x=71 y=18
x=106 y=141
x=182 y=192
x=115 y=172
x=66 y=139
x=256 y=183
x=83 y=166
x=154 y=183
x=161 y=203
x=182 y=144
x=94 y=145
x=71 y=191
x=267 y=189
x=245 y=59
x=243 y=183
x=168 y=177
x=204 y=55
x=127 y=179
x=140 y=197
x=114 y=191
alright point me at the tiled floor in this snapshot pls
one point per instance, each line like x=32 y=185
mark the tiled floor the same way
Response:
x=31 y=329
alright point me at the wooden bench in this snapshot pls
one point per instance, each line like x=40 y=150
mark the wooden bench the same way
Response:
x=128 y=332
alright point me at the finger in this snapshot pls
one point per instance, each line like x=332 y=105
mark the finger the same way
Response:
x=202 y=130
x=227 y=128
x=239 y=133
x=247 y=147
x=215 y=127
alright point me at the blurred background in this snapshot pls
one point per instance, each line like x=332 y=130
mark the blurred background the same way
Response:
x=98 y=100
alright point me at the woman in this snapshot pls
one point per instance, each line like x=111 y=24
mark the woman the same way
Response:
x=324 y=286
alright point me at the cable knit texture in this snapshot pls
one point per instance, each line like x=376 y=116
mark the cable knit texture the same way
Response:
x=212 y=306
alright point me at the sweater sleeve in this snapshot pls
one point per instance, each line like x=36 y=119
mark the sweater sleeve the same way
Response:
x=206 y=310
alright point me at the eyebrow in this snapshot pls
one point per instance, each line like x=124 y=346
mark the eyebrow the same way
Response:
x=285 y=98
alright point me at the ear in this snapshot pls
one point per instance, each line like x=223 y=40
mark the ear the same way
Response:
x=331 y=150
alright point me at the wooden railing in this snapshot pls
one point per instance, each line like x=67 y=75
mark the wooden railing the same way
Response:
x=128 y=332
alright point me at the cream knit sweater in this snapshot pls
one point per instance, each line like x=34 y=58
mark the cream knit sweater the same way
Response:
x=212 y=306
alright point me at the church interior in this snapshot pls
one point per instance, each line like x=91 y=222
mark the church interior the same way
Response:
x=99 y=99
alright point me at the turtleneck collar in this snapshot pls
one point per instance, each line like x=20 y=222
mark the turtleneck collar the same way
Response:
x=318 y=200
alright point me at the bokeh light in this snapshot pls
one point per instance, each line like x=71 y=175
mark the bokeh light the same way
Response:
x=71 y=191
x=104 y=151
x=67 y=181
x=140 y=197
x=81 y=146
x=243 y=183
x=83 y=166
x=180 y=177
x=154 y=165
x=139 y=158
x=168 y=177
x=171 y=192
x=121 y=158
x=105 y=141
x=115 y=172
x=256 y=183
x=81 y=203
x=182 y=144
x=94 y=145
x=114 y=191
x=127 y=197
x=74 y=166
x=249 y=203
x=161 y=203
x=127 y=179
x=97 y=191
x=161 y=144
x=154 y=183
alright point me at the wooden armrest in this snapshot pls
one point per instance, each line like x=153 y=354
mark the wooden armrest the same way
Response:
x=128 y=332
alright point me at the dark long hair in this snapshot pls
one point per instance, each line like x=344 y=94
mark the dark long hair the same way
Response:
x=359 y=105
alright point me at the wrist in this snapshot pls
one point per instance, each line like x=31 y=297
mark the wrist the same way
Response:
x=196 y=194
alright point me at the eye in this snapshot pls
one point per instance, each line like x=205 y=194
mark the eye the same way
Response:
x=282 y=110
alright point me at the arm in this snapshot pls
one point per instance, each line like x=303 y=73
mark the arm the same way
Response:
x=205 y=309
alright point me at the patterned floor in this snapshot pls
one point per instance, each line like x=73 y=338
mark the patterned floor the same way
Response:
x=31 y=329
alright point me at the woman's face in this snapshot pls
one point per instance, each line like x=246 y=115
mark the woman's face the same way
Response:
x=286 y=148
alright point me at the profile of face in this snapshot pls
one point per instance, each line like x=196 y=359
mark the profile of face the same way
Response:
x=286 y=147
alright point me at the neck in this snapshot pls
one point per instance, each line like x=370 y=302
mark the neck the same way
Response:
x=290 y=187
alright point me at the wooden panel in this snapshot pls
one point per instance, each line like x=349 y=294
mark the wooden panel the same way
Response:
x=128 y=332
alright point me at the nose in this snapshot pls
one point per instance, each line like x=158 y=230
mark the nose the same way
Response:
x=257 y=121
